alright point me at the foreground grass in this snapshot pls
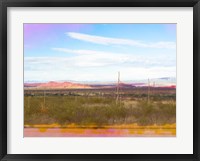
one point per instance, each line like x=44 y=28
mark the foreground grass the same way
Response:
x=96 y=111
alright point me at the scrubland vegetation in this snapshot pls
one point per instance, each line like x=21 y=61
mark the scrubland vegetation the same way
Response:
x=100 y=111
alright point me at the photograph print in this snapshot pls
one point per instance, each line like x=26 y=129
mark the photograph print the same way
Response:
x=99 y=80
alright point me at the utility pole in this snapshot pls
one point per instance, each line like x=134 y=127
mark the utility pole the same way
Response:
x=117 y=99
x=148 y=89
x=44 y=101
x=28 y=102
x=154 y=90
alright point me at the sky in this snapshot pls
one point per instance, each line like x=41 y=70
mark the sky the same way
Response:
x=97 y=52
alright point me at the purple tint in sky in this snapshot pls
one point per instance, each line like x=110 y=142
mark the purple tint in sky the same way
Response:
x=35 y=34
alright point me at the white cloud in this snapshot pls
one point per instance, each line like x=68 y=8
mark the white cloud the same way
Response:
x=93 y=58
x=92 y=65
x=102 y=58
x=117 y=41
x=89 y=52
x=65 y=69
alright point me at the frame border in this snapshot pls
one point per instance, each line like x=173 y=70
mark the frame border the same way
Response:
x=4 y=4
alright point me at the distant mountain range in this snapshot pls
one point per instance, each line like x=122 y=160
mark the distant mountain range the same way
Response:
x=53 y=84
x=158 y=82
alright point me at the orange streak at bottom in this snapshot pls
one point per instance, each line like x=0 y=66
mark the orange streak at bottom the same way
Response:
x=81 y=132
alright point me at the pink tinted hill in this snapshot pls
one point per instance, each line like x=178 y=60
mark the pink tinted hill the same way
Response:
x=53 y=84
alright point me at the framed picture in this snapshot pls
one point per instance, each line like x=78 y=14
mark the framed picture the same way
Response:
x=81 y=79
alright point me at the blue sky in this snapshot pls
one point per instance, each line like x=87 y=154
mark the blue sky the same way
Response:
x=96 y=52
